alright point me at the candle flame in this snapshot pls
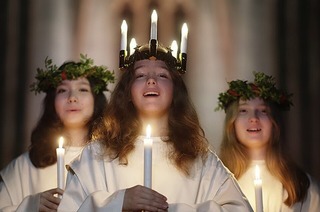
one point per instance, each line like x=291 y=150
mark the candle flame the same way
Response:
x=174 y=47
x=185 y=30
x=154 y=16
x=133 y=44
x=257 y=173
x=148 y=131
x=124 y=27
x=61 y=142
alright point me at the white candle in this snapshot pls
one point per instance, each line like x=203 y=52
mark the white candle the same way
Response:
x=148 y=159
x=258 y=190
x=133 y=44
x=184 y=36
x=174 y=48
x=60 y=164
x=154 y=19
x=124 y=31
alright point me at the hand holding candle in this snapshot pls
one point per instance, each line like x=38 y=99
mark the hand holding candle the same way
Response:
x=258 y=190
x=60 y=164
x=148 y=159
x=154 y=20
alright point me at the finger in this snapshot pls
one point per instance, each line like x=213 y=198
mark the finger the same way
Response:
x=149 y=199
x=46 y=205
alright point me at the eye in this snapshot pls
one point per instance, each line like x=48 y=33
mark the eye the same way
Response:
x=140 y=75
x=163 y=75
x=60 y=90
x=264 y=112
x=84 y=90
x=242 y=110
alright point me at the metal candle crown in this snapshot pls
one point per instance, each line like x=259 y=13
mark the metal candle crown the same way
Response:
x=153 y=50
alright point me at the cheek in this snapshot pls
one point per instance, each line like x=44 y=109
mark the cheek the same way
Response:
x=58 y=104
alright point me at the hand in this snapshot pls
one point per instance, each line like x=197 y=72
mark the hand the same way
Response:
x=140 y=198
x=48 y=200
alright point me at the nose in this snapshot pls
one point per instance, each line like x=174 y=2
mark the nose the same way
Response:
x=151 y=81
x=72 y=98
x=254 y=117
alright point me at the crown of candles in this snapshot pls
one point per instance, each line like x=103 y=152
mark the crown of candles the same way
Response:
x=153 y=50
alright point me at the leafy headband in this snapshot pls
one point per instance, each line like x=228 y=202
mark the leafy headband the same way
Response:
x=51 y=76
x=262 y=87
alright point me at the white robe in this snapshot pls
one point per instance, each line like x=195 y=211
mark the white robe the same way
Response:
x=22 y=182
x=96 y=184
x=273 y=193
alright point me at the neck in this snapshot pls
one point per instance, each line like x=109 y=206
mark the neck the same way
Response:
x=159 y=126
x=258 y=153
x=76 y=137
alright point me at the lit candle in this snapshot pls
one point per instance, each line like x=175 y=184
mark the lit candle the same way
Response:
x=174 y=48
x=258 y=190
x=184 y=36
x=148 y=159
x=154 y=19
x=124 y=31
x=133 y=44
x=60 y=163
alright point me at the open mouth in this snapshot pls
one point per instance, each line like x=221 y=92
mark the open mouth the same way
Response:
x=254 y=130
x=151 y=94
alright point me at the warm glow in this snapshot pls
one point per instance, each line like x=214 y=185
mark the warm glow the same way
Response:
x=154 y=17
x=124 y=27
x=184 y=37
x=185 y=30
x=133 y=44
x=61 y=142
x=148 y=131
x=174 y=48
x=124 y=31
x=257 y=173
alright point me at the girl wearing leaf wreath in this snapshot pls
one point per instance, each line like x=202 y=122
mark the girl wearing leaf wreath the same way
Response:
x=73 y=104
x=186 y=174
x=251 y=137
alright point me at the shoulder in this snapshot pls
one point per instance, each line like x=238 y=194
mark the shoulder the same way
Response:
x=214 y=165
x=16 y=166
x=91 y=156
x=314 y=187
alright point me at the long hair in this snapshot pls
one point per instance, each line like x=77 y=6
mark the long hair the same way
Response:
x=234 y=156
x=42 y=151
x=121 y=126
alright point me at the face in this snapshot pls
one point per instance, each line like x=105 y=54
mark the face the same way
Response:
x=152 y=88
x=253 y=125
x=74 y=102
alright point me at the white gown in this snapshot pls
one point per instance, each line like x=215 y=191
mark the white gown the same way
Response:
x=22 y=182
x=96 y=184
x=273 y=193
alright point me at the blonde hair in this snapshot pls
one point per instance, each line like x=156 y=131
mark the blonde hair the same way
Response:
x=234 y=156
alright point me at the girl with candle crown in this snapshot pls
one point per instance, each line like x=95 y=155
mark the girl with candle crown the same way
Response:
x=186 y=174
x=251 y=137
x=73 y=103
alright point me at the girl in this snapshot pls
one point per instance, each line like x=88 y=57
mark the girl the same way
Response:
x=186 y=175
x=73 y=104
x=251 y=137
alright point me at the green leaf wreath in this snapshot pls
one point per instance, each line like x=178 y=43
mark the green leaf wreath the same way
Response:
x=264 y=87
x=52 y=76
